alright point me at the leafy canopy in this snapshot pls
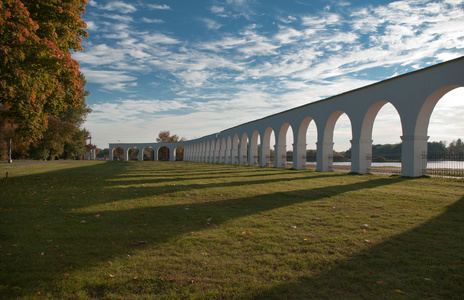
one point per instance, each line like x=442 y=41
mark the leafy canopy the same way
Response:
x=39 y=78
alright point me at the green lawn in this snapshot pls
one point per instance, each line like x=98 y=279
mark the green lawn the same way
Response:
x=164 y=230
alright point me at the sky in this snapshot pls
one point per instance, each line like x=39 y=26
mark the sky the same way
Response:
x=199 y=67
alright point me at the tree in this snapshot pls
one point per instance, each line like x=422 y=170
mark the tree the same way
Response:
x=39 y=78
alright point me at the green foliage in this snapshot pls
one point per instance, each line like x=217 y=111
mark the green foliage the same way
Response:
x=39 y=78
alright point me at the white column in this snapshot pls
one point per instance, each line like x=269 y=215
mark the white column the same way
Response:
x=280 y=158
x=414 y=156
x=253 y=156
x=299 y=156
x=324 y=156
x=264 y=156
x=243 y=157
x=361 y=156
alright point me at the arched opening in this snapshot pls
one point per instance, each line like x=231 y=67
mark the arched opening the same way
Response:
x=386 y=140
x=222 y=153
x=284 y=147
x=445 y=147
x=267 y=148
x=148 y=154
x=228 y=151
x=336 y=140
x=212 y=152
x=202 y=152
x=307 y=141
x=235 y=144
x=243 y=152
x=163 y=153
x=118 y=153
x=133 y=153
x=217 y=152
x=179 y=152
x=207 y=152
x=253 y=157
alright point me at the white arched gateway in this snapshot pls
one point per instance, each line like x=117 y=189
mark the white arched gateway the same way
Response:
x=413 y=95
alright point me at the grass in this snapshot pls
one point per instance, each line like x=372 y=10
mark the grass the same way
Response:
x=164 y=230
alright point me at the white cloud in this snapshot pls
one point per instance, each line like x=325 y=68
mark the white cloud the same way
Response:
x=211 y=24
x=160 y=7
x=159 y=38
x=120 y=7
x=217 y=9
x=110 y=80
x=91 y=25
x=148 y=20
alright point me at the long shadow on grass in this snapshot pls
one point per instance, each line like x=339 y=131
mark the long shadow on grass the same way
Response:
x=43 y=237
x=426 y=262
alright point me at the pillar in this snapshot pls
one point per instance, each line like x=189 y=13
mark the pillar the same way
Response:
x=280 y=158
x=243 y=156
x=414 y=155
x=361 y=155
x=265 y=156
x=253 y=156
x=299 y=156
x=324 y=156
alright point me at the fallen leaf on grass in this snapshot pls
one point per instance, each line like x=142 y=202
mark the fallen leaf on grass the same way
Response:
x=112 y=276
x=400 y=292
x=65 y=274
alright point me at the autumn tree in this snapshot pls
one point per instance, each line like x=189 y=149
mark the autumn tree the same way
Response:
x=39 y=79
x=165 y=137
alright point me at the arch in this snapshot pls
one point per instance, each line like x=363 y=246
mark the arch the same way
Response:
x=253 y=153
x=148 y=153
x=133 y=153
x=361 y=143
x=207 y=152
x=223 y=152
x=243 y=151
x=422 y=124
x=117 y=153
x=229 y=150
x=163 y=153
x=301 y=144
x=235 y=144
x=280 y=154
x=325 y=142
x=451 y=107
x=179 y=153
x=217 y=150
x=266 y=155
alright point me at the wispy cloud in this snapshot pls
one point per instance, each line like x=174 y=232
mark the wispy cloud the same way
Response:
x=110 y=80
x=158 y=6
x=119 y=6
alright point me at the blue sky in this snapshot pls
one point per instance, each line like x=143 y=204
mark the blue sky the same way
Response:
x=199 y=67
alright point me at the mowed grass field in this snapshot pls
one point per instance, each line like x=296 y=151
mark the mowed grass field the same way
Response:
x=169 y=230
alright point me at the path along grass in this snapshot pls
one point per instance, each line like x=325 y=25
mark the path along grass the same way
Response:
x=144 y=230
